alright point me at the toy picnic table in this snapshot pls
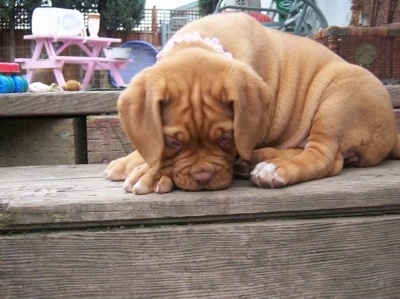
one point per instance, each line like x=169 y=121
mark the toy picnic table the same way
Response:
x=91 y=60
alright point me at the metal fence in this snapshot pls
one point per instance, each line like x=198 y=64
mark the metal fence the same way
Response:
x=23 y=18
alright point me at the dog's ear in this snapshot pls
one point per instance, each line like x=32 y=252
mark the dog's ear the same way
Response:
x=139 y=111
x=251 y=98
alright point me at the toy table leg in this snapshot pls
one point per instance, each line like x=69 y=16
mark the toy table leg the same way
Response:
x=117 y=75
x=59 y=76
x=88 y=75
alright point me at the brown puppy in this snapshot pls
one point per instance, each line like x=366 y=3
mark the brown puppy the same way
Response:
x=224 y=86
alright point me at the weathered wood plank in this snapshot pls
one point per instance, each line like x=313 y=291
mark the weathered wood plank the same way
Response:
x=37 y=141
x=394 y=91
x=82 y=103
x=319 y=258
x=58 y=103
x=78 y=195
x=106 y=139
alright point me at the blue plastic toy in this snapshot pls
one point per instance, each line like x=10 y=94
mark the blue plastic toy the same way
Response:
x=10 y=81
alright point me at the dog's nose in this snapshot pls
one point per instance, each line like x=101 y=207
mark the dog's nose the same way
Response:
x=202 y=177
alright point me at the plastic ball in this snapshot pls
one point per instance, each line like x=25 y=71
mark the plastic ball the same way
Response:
x=20 y=84
x=6 y=84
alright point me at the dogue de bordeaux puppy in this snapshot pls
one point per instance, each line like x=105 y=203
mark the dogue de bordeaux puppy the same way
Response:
x=227 y=86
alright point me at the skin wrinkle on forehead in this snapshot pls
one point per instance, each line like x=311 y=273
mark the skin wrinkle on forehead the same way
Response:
x=196 y=98
x=198 y=116
x=214 y=122
x=197 y=107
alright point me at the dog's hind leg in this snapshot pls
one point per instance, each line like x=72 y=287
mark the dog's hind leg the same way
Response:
x=370 y=149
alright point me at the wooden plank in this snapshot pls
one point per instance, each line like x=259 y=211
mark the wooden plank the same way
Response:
x=319 y=258
x=106 y=139
x=397 y=114
x=78 y=196
x=80 y=130
x=394 y=91
x=82 y=103
x=27 y=141
x=58 y=103
x=87 y=60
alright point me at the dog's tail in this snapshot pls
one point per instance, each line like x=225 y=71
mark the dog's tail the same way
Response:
x=395 y=153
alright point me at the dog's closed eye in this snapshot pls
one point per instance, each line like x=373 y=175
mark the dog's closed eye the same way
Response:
x=173 y=144
x=226 y=140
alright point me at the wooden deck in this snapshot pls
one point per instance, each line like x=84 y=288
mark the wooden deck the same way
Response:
x=82 y=103
x=37 y=109
x=58 y=104
x=66 y=232
x=58 y=110
x=73 y=196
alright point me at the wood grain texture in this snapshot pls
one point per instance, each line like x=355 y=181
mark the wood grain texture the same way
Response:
x=394 y=91
x=78 y=195
x=58 y=103
x=320 y=258
x=27 y=141
x=82 y=103
x=106 y=139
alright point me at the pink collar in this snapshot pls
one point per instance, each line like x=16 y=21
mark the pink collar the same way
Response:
x=194 y=37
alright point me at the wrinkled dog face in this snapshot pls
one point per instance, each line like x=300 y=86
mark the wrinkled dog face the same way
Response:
x=198 y=138
x=189 y=116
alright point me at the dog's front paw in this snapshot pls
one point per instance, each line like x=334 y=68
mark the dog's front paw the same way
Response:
x=118 y=170
x=143 y=180
x=267 y=174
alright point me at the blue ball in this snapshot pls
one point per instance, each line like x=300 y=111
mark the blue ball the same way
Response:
x=20 y=84
x=6 y=84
